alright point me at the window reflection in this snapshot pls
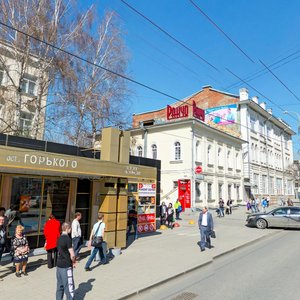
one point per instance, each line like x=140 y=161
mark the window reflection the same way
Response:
x=25 y=204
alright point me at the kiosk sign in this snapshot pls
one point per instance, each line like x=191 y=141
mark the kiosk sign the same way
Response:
x=147 y=189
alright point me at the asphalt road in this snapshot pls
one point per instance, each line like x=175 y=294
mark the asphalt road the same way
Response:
x=268 y=269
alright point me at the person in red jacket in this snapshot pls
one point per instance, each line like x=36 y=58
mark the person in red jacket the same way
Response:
x=51 y=233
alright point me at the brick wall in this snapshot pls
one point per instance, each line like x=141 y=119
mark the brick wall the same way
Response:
x=204 y=99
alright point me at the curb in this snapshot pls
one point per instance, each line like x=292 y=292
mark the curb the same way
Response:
x=198 y=266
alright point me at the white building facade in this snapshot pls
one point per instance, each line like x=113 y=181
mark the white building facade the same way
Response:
x=23 y=92
x=268 y=155
x=182 y=146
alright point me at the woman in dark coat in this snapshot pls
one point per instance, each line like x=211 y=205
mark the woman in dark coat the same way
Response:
x=170 y=215
x=52 y=233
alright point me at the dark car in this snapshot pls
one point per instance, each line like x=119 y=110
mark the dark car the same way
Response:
x=282 y=217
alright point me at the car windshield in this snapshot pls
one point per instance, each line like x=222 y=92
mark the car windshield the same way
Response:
x=280 y=211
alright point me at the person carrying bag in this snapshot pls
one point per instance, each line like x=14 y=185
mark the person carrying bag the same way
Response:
x=97 y=241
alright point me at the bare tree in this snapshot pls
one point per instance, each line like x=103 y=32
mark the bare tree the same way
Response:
x=30 y=67
x=95 y=98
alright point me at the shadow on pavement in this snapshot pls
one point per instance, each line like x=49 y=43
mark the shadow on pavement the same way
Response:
x=84 y=288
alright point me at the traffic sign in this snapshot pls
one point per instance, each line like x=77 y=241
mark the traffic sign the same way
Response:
x=198 y=170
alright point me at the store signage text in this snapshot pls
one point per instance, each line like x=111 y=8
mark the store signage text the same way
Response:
x=198 y=113
x=43 y=161
x=182 y=111
x=130 y=170
x=177 y=112
x=147 y=189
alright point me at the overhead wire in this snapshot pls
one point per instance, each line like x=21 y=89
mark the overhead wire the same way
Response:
x=170 y=36
x=278 y=79
x=116 y=73
x=252 y=87
x=221 y=30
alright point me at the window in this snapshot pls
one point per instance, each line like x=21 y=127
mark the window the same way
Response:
x=264 y=184
x=252 y=122
x=154 y=151
x=209 y=154
x=261 y=128
x=220 y=190
x=197 y=151
x=229 y=191
x=237 y=161
x=237 y=192
x=25 y=123
x=177 y=151
x=255 y=183
x=271 y=185
x=198 y=192
x=220 y=162
x=279 y=185
x=209 y=191
x=229 y=161
x=140 y=151
x=28 y=86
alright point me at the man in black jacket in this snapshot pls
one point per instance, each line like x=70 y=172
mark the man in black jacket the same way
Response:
x=206 y=225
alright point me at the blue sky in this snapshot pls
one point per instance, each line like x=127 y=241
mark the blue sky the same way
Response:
x=266 y=30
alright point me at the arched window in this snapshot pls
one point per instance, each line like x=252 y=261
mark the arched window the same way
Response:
x=154 y=151
x=140 y=151
x=177 y=151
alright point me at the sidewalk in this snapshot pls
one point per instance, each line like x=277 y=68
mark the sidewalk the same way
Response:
x=147 y=262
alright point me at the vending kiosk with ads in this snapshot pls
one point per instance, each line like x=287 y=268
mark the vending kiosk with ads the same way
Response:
x=146 y=208
x=184 y=193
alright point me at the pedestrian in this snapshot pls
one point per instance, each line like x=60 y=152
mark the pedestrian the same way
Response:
x=178 y=209
x=97 y=231
x=163 y=213
x=248 y=205
x=76 y=234
x=132 y=222
x=20 y=248
x=66 y=261
x=264 y=204
x=221 y=207
x=257 y=202
x=2 y=213
x=170 y=215
x=2 y=237
x=268 y=201
x=253 y=205
x=51 y=233
x=230 y=206
x=290 y=202
x=206 y=225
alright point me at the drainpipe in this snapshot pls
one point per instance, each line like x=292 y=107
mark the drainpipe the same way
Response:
x=193 y=196
x=145 y=141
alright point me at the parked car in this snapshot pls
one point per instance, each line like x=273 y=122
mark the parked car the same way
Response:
x=282 y=217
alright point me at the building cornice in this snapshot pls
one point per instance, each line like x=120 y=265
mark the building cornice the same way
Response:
x=270 y=117
x=188 y=122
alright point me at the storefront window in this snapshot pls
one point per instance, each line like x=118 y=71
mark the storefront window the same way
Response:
x=55 y=200
x=25 y=201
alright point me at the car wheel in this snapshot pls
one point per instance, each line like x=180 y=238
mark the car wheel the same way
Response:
x=261 y=224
